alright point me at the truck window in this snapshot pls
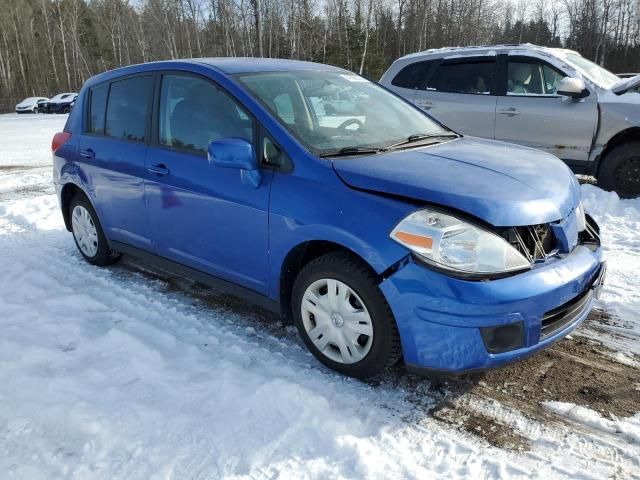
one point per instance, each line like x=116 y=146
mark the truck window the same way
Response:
x=531 y=78
x=413 y=75
x=472 y=77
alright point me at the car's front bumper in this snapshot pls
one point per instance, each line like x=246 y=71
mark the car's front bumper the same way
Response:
x=441 y=318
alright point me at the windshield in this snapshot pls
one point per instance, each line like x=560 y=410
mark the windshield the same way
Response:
x=332 y=111
x=598 y=75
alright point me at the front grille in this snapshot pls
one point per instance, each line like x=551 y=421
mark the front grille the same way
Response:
x=555 y=319
x=534 y=242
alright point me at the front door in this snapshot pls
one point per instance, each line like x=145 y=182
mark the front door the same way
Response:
x=530 y=112
x=201 y=215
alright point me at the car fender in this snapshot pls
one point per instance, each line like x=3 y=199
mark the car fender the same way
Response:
x=354 y=220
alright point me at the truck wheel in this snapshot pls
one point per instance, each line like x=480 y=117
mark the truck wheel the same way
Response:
x=620 y=170
x=343 y=317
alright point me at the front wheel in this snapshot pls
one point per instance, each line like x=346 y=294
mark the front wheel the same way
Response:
x=343 y=318
x=620 y=170
x=88 y=234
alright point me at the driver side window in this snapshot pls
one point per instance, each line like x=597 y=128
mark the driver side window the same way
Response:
x=531 y=78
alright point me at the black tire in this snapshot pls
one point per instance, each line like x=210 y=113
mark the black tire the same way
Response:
x=385 y=348
x=620 y=170
x=66 y=109
x=104 y=255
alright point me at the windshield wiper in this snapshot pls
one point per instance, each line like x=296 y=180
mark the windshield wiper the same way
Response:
x=348 y=151
x=420 y=137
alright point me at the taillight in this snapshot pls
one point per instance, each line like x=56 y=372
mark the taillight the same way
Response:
x=59 y=139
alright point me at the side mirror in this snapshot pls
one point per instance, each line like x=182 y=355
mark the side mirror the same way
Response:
x=236 y=153
x=572 y=87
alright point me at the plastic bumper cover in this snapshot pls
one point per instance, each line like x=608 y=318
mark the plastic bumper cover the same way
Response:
x=440 y=318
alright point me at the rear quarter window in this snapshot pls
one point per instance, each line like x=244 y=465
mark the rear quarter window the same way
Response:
x=413 y=76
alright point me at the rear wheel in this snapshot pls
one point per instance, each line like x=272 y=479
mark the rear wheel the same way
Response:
x=620 y=170
x=343 y=318
x=66 y=109
x=88 y=234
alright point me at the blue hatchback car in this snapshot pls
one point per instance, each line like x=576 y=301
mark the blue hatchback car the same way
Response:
x=313 y=192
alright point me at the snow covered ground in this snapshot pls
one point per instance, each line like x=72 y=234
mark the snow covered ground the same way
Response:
x=120 y=374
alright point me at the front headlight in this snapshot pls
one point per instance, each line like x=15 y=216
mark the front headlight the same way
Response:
x=457 y=245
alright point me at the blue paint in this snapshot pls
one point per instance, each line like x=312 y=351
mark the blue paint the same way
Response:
x=228 y=217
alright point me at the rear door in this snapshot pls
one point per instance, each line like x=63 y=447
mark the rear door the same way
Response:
x=202 y=215
x=531 y=113
x=460 y=93
x=112 y=154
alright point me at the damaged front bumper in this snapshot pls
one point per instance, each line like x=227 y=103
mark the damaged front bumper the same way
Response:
x=451 y=325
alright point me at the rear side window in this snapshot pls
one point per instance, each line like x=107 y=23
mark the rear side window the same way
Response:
x=413 y=76
x=128 y=108
x=193 y=112
x=464 y=77
x=97 y=107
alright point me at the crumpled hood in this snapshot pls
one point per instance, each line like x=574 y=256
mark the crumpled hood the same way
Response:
x=623 y=86
x=500 y=183
x=26 y=103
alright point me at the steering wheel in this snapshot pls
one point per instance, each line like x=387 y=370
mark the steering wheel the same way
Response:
x=352 y=121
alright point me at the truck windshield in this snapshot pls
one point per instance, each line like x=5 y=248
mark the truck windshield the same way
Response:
x=329 y=111
x=598 y=75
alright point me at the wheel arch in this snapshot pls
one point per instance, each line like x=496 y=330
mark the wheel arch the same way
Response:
x=301 y=255
x=70 y=190
x=628 y=135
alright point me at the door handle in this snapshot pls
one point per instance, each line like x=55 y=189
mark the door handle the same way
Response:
x=425 y=105
x=510 y=112
x=159 y=169
x=88 y=154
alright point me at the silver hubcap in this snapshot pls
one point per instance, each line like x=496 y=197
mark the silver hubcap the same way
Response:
x=84 y=230
x=337 y=321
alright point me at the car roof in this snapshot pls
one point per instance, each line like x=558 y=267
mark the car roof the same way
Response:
x=488 y=50
x=233 y=65
x=226 y=65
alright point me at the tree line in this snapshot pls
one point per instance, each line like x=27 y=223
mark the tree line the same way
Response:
x=51 y=46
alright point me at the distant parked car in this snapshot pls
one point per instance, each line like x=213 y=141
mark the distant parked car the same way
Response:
x=385 y=235
x=61 y=103
x=30 y=105
x=546 y=98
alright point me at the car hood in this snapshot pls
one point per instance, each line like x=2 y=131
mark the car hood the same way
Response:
x=500 y=183
x=26 y=103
